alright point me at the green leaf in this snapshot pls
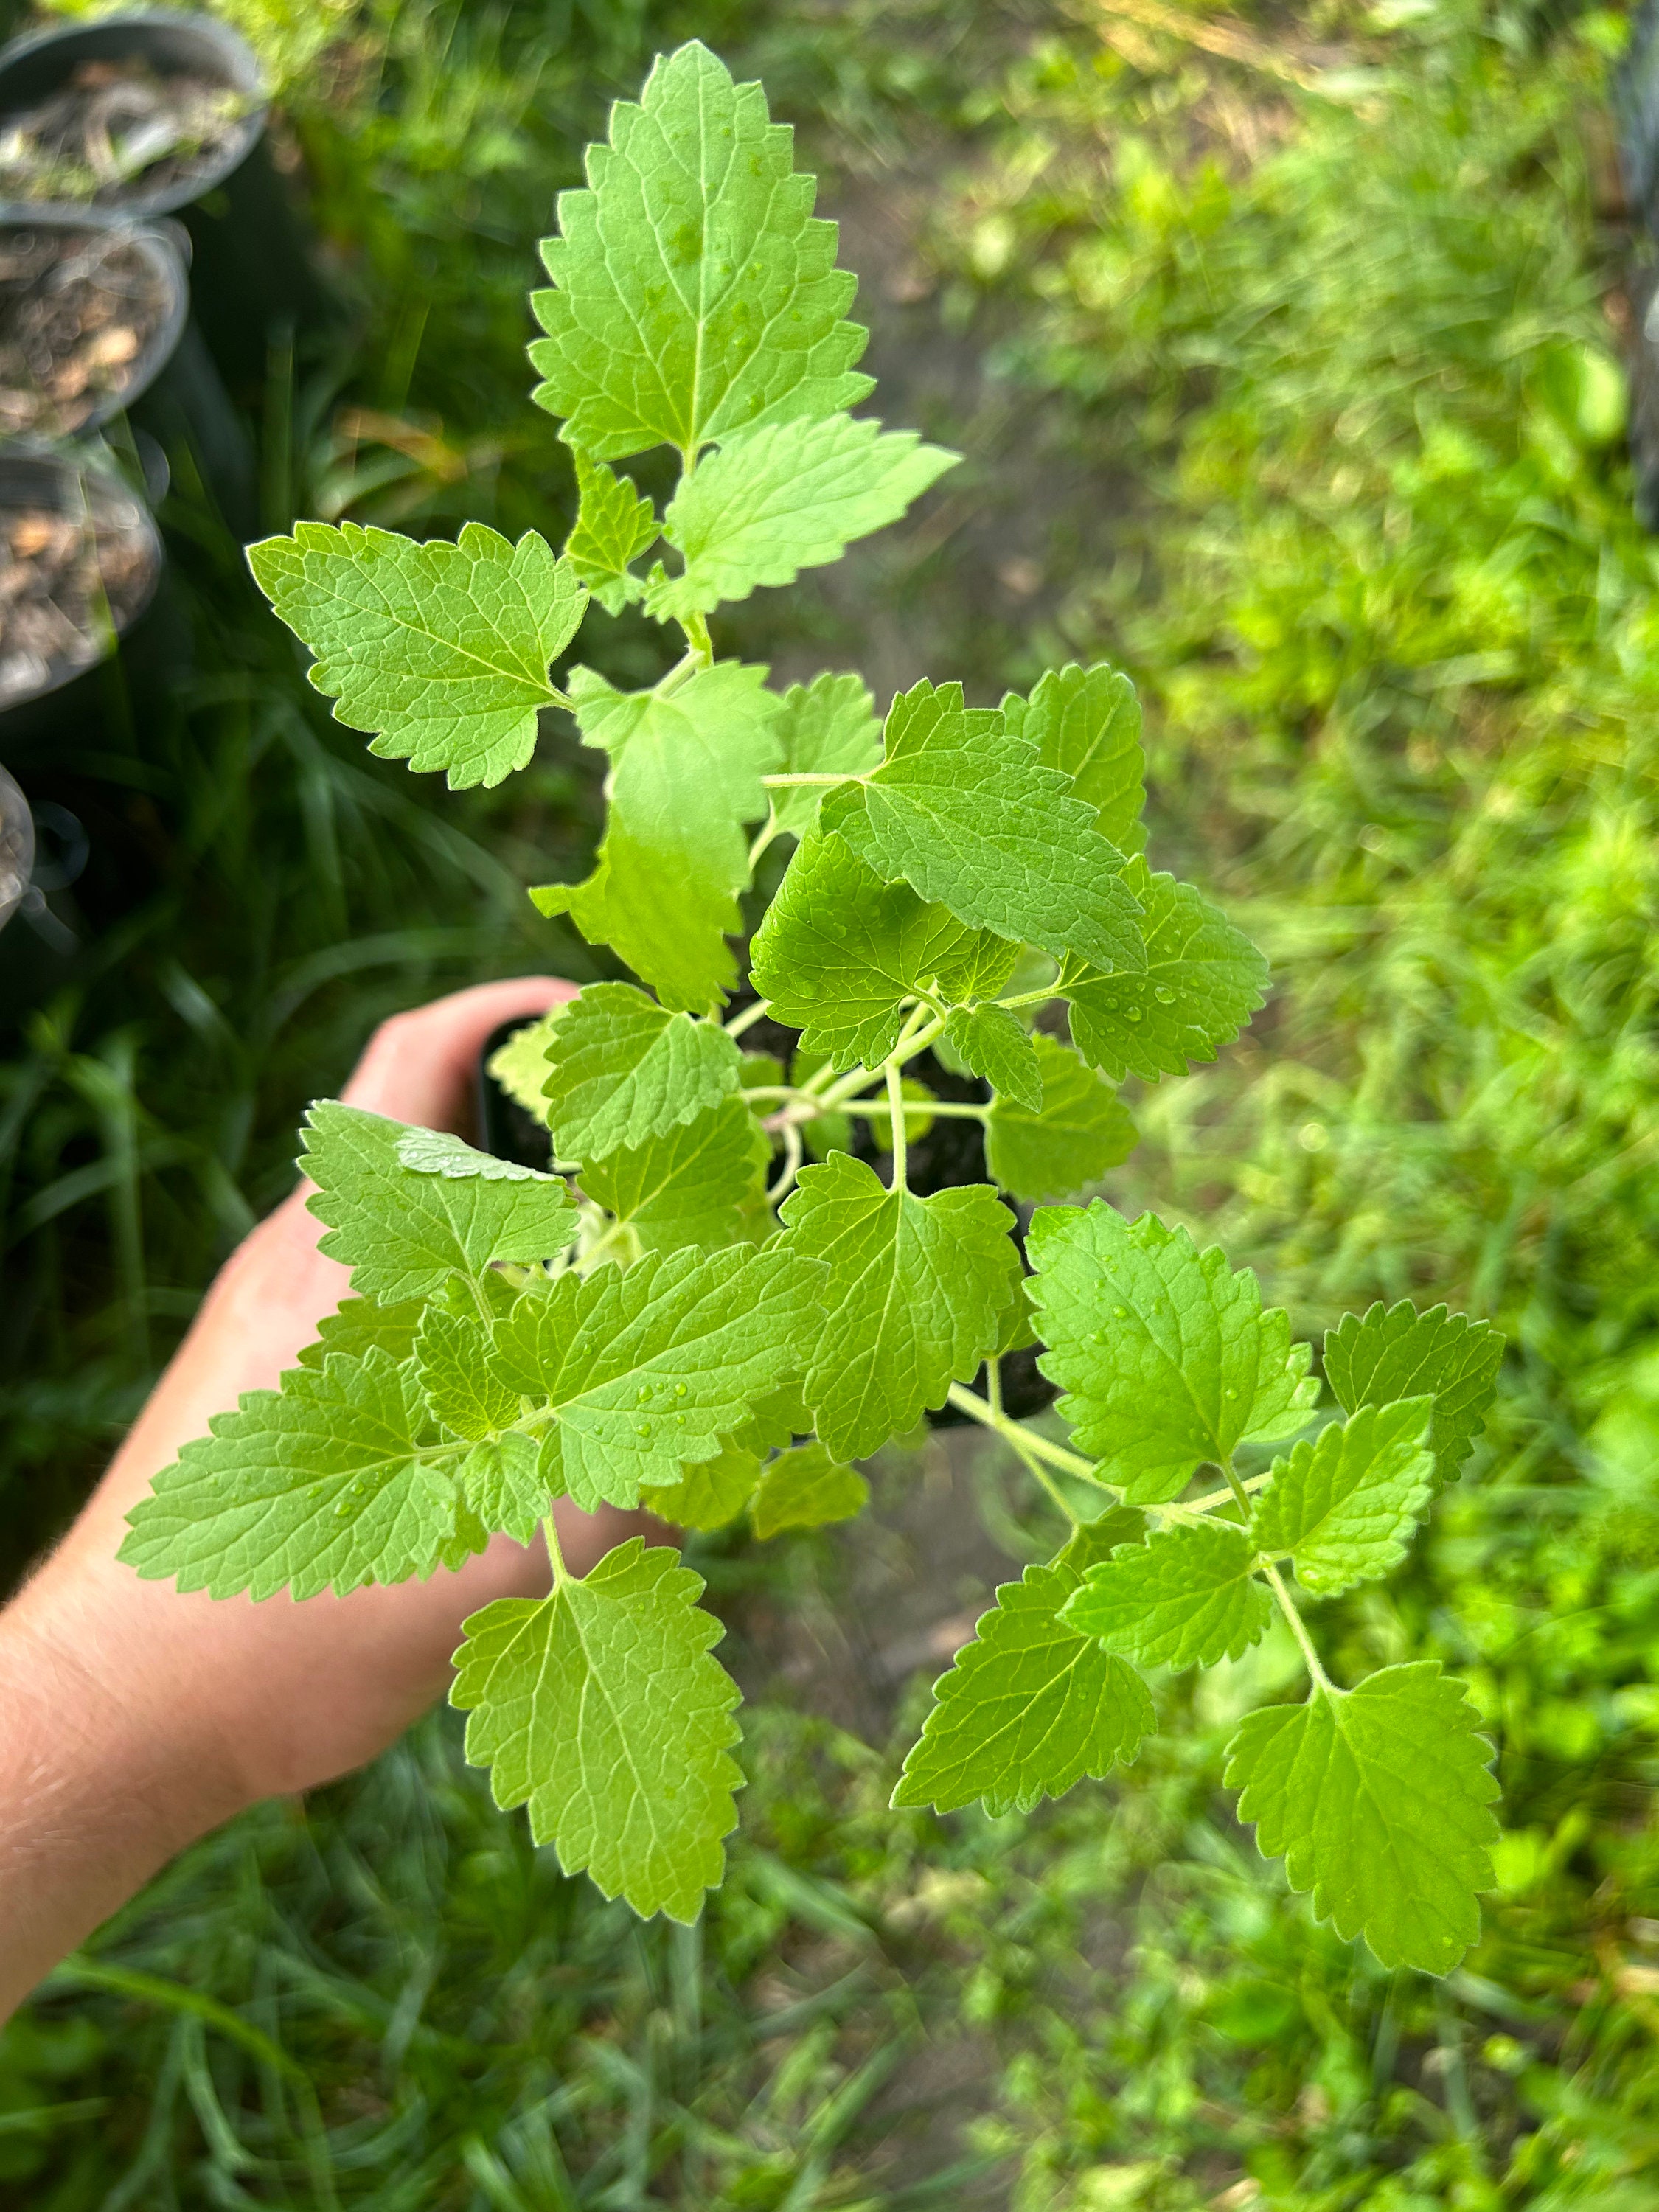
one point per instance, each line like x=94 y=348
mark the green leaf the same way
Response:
x=523 y=1065
x=1187 y=1597
x=506 y=1484
x=356 y=1324
x=685 y=777
x=1345 y=1505
x=1081 y=1131
x=839 y=950
x=601 y=1708
x=709 y=1496
x=1086 y=721
x=785 y=497
x=1194 y=987
x=827 y=727
x=615 y=524
x=435 y=1152
x=917 y=1288
x=403 y=1233
x=450 y=1351
x=646 y=1370
x=1028 y=1708
x=806 y=1488
x=626 y=1070
x=1168 y=1360
x=690 y=1185
x=695 y=292
x=1398 y=1352
x=1378 y=1799
x=967 y=815
x=442 y=650
x=996 y=1045
x=336 y=1479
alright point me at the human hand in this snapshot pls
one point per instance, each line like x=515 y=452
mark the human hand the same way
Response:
x=138 y=1718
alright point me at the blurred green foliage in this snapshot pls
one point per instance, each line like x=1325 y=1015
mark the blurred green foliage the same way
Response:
x=1316 y=298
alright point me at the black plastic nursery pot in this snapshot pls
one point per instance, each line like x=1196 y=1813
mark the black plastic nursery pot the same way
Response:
x=95 y=323
x=87 y=644
x=253 y=279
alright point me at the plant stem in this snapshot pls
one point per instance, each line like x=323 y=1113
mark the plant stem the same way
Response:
x=696 y=627
x=1069 y=1462
x=561 y=1574
x=762 y=839
x=748 y=1017
x=802 y=782
x=791 y=1169
x=917 y=1106
x=900 y=1133
x=1286 y=1605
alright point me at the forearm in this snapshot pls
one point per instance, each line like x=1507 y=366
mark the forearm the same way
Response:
x=95 y=1797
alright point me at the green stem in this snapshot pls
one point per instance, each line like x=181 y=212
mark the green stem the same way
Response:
x=901 y=1133
x=1234 y=1489
x=1286 y=1605
x=917 y=1107
x=557 y=698
x=804 y=782
x=1069 y=1462
x=561 y=1574
x=696 y=627
x=764 y=838
x=748 y=1017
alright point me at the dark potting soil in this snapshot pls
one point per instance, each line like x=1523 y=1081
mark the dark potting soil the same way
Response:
x=68 y=581
x=115 y=129
x=77 y=308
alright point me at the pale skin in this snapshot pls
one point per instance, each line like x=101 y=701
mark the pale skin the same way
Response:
x=136 y=1719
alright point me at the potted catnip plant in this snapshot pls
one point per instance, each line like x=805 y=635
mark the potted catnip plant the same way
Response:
x=709 y=1301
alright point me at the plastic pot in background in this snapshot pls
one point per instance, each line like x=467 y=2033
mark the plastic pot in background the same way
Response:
x=253 y=279
x=94 y=322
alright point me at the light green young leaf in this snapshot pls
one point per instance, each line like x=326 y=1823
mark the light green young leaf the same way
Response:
x=602 y=1709
x=450 y=1351
x=504 y=1483
x=625 y=1069
x=685 y=777
x=917 y=1287
x=695 y=293
x=1081 y=1131
x=709 y=1496
x=435 y=1152
x=1029 y=1707
x=785 y=497
x=1345 y=1505
x=1397 y=1353
x=805 y=1488
x=1197 y=983
x=996 y=1045
x=1379 y=1800
x=827 y=727
x=646 y=1370
x=688 y=1186
x=403 y=1233
x=1167 y=1358
x=356 y=1324
x=615 y=524
x=839 y=951
x=1187 y=1597
x=336 y=1479
x=442 y=650
x=523 y=1065
x=968 y=816
x=1086 y=721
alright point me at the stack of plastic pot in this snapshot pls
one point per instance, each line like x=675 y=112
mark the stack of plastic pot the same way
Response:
x=148 y=261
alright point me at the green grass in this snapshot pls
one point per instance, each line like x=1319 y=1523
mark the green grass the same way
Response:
x=1319 y=334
